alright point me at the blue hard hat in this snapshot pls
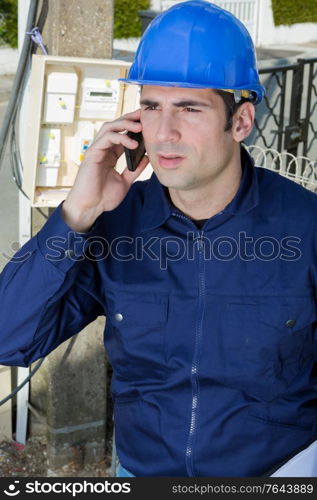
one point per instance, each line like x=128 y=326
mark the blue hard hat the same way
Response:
x=198 y=45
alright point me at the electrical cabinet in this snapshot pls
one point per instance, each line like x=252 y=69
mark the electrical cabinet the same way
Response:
x=68 y=100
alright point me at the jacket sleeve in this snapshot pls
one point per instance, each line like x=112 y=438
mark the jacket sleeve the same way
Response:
x=48 y=292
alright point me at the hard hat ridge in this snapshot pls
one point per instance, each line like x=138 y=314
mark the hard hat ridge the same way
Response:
x=197 y=44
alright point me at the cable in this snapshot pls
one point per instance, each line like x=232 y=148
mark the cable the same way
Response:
x=15 y=158
x=42 y=213
x=43 y=15
x=25 y=381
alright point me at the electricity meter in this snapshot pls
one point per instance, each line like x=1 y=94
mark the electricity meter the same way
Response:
x=60 y=96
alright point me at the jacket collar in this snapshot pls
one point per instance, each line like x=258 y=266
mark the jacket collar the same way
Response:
x=157 y=208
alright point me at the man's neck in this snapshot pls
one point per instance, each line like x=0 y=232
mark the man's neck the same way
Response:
x=209 y=199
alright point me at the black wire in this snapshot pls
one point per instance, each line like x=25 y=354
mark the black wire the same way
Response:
x=25 y=381
x=42 y=19
x=42 y=213
x=15 y=158
x=14 y=165
x=16 y=162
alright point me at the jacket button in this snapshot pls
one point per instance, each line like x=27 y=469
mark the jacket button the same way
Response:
x=118 y=317
x=290 y=323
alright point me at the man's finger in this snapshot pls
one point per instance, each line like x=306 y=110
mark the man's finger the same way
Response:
x=117 y=127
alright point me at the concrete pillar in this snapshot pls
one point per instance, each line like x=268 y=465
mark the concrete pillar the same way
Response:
x=70 y=387
x=80 y=28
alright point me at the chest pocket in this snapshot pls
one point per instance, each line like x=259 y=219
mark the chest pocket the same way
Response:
x=137 y=334
x=265 y=343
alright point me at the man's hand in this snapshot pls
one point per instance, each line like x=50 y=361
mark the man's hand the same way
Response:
x=98 y=187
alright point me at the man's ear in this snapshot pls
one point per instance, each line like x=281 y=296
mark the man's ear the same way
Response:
x=242 y=122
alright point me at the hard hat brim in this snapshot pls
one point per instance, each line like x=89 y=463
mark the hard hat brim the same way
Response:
x=259 y=92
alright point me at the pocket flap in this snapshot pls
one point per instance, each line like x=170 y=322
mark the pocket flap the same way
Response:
x=139 y=312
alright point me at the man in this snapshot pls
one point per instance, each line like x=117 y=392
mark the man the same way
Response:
x=207 y=274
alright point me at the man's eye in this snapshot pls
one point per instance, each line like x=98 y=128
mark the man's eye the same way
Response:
x=192 y=110
x=151 y=108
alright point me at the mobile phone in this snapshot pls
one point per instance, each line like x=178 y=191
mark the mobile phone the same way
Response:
x=134 y=156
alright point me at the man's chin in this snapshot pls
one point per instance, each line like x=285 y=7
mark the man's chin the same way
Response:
x=170 y=183
x=167 y=179
x=173 y=178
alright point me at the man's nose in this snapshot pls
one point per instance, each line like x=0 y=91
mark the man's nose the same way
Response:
x=168 y=129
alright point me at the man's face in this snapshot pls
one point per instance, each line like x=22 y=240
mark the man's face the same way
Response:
x=184 y=135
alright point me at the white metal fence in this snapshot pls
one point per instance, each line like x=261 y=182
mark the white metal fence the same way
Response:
x=245 y=10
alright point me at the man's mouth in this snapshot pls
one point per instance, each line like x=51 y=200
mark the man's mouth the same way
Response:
x=169 y=160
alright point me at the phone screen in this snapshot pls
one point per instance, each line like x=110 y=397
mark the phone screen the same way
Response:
x=134 y=156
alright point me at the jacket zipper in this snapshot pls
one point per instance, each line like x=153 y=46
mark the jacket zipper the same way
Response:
x=195 y=360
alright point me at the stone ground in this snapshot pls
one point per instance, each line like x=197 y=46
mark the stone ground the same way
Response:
x=30 y=461
x=25 y=462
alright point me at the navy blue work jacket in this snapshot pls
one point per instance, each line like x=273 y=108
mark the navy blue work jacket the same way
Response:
x=211 y=332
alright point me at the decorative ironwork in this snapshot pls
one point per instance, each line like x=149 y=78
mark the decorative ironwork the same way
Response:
x=309 y=108
x=286 y=120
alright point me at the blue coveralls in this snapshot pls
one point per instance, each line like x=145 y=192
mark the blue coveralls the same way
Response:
x=211 y=333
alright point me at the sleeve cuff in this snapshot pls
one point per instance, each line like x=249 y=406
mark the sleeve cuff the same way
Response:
x=62 y=246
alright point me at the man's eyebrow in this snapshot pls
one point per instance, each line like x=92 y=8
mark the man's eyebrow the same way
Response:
x=186 y=103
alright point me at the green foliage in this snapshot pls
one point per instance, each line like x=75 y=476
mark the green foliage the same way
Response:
x=9 y=22
x=127 y=22
x=292 y=12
